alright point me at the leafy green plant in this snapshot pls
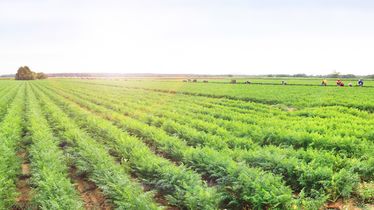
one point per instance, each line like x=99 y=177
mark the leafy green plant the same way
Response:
x=10 y=136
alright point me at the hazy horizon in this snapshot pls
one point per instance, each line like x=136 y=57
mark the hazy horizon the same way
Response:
x=188 y=36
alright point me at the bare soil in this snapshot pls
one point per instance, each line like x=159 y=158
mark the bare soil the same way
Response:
x=23 y=187
x=90 y=194
x=343 y=205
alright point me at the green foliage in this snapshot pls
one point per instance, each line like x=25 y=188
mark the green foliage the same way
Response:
x=184 y=188
x=343 y=184
x=366 y=192
x=273 y=193
x=300 y=172
x=92 y=158
x=49 y=170
x=10 y=135
x=202 y=146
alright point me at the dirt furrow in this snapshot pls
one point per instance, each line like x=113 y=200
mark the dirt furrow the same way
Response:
x=23 y=182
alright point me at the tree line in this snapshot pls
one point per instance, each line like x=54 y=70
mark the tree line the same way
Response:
x=24 y=73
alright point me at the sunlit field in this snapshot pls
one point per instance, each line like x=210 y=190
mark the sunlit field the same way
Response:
x=174 y=144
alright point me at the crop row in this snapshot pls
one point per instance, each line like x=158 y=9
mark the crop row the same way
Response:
x=213 y=164
x=92 y=158
x=6 y=99
x=204 y=121
x=196 y=152
x=10 y=135
x=297 y=172
x=299 y=96
x=233 y=105
x=249 y=188
x=184 y=188
x=309 y=169
x=49 y=173
x=321 y=160
x=300 y=125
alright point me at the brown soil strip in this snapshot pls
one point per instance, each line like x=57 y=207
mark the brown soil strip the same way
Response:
x=23 y=187
x=90 y=194
x=159 y=197
x=340 y=205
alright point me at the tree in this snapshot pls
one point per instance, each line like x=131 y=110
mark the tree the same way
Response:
x=24 y=73
x=334 y=74
x=300 y=75
x=348 y=76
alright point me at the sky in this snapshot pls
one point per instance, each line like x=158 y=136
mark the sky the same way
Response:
x=188 y=36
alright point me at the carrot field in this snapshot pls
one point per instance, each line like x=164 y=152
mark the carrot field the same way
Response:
x=141 y=144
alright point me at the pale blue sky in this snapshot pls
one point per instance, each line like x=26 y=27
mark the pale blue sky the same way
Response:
x=188 y=36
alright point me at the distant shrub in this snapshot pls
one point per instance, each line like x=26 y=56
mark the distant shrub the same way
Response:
x=41 y=75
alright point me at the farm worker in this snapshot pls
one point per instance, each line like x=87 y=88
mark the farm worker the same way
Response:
x=341 y=84
x=324 y=82
x=360 y=82
x=338 y=82
x=350 y=84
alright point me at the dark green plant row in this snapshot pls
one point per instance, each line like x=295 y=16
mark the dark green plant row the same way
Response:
x=343 y=134
x=10 y=136
x=207 y=124
x=297 y=96
x=321 y=170
x=49 y=173
x=183 y=187
x=7 y=98
x=324 y=169
x=242 y=185
x=93 y=159
x=336 y=171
